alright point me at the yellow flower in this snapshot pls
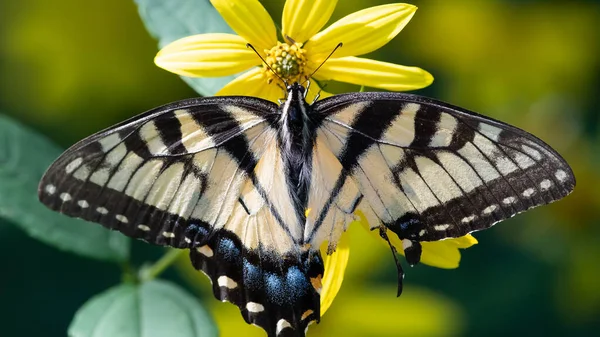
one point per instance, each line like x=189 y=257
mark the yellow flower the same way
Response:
x=304 y=48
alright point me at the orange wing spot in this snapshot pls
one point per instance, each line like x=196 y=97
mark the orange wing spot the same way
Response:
x=316 y=283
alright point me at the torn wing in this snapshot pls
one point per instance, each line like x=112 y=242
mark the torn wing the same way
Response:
x=429 y=171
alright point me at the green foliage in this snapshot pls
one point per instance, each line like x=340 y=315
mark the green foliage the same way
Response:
x=24 y=156
x=170 y=20
x=151 y=309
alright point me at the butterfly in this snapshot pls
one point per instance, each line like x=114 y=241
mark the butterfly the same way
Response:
x=231 y=179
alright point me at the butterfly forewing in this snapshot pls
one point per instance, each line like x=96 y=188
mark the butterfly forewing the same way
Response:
x=429 y=171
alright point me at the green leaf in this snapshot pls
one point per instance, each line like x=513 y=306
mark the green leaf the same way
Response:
x=170 y=20
x=152 y=309
x=24 y=156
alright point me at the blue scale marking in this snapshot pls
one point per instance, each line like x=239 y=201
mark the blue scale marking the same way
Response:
x=405 y=225
x=275 y=289
x=252 y=275
x=297 y=282
x=228 y=250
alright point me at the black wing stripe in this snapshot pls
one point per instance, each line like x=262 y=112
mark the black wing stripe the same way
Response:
x=426 y=121
x=169 y=129
x=371 y=121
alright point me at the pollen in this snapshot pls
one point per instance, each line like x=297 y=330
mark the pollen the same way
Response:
x=288 y=61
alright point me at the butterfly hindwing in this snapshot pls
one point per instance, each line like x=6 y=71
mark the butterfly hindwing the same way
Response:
x=429 y=171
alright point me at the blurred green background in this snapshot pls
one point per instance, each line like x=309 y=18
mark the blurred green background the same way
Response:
x=69 y=68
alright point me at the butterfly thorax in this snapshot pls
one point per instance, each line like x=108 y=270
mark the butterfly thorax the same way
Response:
x=297 y=135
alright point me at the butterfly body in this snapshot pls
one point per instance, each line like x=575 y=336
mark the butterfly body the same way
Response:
x=254 y=189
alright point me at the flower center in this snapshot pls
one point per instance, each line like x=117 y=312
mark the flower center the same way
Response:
x=288 y=61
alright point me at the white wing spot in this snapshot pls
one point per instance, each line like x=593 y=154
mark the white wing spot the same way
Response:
x=65 y=196
x=102 y=210
x=121 y=218
x=489 y=209
x=168 y=234
x=441 y=227
x=188 y=240
x=73 y=165
x=205 y=250
x=545 y=184
x=109 y=141
x=224 y=281
x=561 y=175
x=532 y=152
x=509 y=200
x=50 y=189
x=254 y=307
x=528 y=192
x=490 y=131
x=422 y=232
x=83 y=204
x=282 y=324
x=144 y=228
x=468 y=219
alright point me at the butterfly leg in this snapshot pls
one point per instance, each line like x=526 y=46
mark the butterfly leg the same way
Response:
x=383 y=234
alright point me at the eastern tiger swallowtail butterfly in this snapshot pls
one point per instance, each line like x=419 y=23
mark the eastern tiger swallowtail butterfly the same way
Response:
x=231 y=178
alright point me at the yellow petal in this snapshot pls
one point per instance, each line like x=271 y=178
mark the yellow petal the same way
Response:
x=304 y=18
x=375 y=74
x=250 y=20
x=207 y=55
x=335 y=266
x=361 y=32
x=441 y=254
x=252 y=83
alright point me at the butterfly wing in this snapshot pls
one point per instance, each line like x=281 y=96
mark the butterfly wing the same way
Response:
x=428 y=170
x=190 y=175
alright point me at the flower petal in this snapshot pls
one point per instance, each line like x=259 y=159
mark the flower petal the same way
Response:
x=361 y=32
x=335 y=266
x=207 y=55
x=304 y=18
x=375 y=74
x=252 y=83
x=440 y=254
x=250 y=20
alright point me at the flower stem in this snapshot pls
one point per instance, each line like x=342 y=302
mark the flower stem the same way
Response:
x=151 y=272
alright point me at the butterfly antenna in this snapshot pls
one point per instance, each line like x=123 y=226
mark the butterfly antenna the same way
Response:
x=248 y=45
x=320 y=65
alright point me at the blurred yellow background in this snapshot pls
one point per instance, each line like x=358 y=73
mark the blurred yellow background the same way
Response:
x=69 y=68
